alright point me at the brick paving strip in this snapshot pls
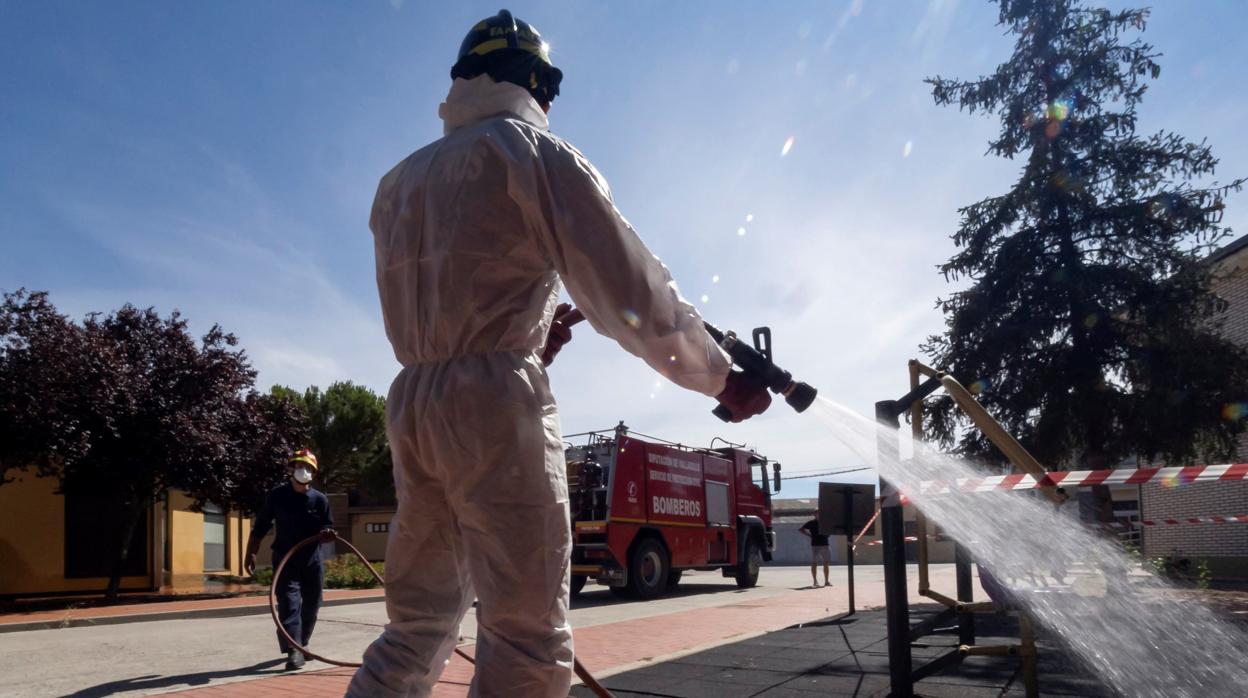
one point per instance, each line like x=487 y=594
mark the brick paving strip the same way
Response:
x=603 y=649
x=165 y=610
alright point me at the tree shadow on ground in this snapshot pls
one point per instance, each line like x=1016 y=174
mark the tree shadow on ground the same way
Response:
x=152 y=682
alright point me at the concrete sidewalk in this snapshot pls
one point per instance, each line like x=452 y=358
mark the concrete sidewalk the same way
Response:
x=612 y=638
x=165 y=610
x=603 y=649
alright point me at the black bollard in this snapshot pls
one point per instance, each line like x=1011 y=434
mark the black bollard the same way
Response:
x=892 y=533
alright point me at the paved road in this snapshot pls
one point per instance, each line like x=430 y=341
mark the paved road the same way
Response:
x=160 y=656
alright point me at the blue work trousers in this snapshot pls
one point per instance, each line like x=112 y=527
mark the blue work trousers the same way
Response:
x=298 y=600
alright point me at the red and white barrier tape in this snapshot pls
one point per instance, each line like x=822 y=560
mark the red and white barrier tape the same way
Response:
x=870 y=521
x=1088 y=478
x=909 y=539
x=1238 y=518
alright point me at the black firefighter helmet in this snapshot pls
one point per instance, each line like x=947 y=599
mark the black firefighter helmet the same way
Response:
x=509 y=50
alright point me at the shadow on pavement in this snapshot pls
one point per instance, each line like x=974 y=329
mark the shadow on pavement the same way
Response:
x=155 y=681
x=848 y=656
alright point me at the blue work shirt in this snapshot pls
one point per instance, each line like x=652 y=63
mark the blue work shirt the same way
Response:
x=298 y=515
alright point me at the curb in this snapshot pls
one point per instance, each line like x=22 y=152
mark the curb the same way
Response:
x=222 y=612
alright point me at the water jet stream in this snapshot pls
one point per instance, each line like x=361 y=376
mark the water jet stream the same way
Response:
x=1120 y=621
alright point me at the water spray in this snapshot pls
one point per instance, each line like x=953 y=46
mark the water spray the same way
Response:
x=756 y=362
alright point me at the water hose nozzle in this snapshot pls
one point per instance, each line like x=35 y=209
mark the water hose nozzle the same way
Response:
x=756 y=362
x=799 y=395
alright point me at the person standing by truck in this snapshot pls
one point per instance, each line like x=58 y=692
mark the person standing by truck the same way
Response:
x=819 y=551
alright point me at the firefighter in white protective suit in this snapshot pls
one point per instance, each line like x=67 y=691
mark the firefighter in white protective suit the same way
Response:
x=473 y=234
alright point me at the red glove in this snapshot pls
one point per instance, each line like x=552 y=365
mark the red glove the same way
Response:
x=560 y=331
x=743 y=396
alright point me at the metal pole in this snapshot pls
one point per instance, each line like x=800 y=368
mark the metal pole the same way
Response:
x=893 y=535
x=916 y=434
x=849 y=544
x=966 y=594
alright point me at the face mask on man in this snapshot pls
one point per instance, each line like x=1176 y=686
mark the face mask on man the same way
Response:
x=302 y=475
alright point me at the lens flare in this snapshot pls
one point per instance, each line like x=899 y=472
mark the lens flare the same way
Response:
x=706 y=298
x=905 y=151
x=1172 y=482
x=749 y=218
x=788 y=145
x=715 y=279
x=1060 y=109
x=630 y=318
x=979 y=386
x=1234 y=411
x=741 y=232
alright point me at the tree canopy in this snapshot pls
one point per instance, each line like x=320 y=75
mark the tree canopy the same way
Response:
x=1088 y=328
x=128 y=405
x=347 y=431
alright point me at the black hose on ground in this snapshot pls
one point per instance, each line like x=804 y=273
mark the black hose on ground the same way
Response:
x=586 y=677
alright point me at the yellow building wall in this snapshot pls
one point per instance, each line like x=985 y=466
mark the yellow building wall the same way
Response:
x=186 y=536
x=373 y=545
x=32 y=542
x=237 y=529
x=186 y=533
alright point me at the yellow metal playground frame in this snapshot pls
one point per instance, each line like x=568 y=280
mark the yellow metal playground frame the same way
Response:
x=1022 y=461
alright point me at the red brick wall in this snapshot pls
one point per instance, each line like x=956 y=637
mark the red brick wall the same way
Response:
x=1157 y=501
x=1202 y=499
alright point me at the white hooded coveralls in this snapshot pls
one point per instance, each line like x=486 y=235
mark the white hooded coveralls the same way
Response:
x=473 y=233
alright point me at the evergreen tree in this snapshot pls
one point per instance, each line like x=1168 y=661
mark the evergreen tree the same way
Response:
x=347 y=432
x=1089 y=328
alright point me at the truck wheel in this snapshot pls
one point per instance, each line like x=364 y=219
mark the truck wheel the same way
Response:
x=578 y=583
x=751 y=561
x=647 y=573
x=673 y=578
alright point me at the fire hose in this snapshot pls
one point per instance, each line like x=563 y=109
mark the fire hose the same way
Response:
x=583 y=673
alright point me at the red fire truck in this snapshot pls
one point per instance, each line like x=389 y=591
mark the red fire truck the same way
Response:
x=645 y=510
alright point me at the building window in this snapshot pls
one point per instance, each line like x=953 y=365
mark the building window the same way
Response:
x=377 y=528
x=214 y=538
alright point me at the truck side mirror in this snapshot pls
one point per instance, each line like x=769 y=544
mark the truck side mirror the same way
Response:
x=776 y=478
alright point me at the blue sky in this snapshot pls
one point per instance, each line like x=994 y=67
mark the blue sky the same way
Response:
x=221 y=158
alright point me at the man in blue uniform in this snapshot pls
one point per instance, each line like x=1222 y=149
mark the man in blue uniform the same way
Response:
x=300 y=512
